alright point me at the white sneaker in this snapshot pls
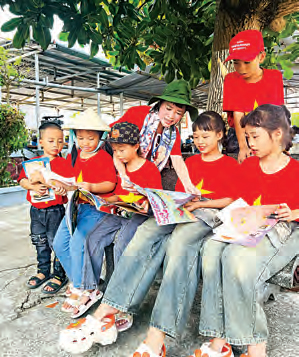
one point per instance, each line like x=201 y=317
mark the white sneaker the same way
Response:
x=205 y=350
x=80 y=336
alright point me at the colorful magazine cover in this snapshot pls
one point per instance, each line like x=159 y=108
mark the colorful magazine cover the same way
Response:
x=243 y=224
x=31 y=166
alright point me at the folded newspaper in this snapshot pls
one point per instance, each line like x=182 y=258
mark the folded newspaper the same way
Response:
x=243 y=224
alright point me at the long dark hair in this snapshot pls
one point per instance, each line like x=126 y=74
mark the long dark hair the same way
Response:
x=271 y=117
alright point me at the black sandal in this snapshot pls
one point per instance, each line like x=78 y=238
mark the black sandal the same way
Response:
x=37 y=280
x=56 y=287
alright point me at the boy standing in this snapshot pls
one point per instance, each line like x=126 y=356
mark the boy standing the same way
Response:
x=250 y=85
x=46 y=216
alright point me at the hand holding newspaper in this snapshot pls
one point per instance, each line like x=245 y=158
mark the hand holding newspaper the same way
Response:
x=243 y=224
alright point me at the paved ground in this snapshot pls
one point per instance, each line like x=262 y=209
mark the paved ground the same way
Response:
x=28 y=328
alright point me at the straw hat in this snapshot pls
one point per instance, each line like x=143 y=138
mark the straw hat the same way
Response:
x=88 y=120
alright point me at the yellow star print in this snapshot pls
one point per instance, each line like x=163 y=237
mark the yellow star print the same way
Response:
x=80 y=177
x=258 y=201
x=203 y=191
x=130 y=198
x=254 y=106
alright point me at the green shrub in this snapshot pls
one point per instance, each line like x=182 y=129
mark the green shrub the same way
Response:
x=13 y=137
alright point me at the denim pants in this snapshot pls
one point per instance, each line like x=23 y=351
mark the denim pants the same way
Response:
x=43 y=227
x=178 y=246
x=70 y=248
x=233 y=280
x=103 y=235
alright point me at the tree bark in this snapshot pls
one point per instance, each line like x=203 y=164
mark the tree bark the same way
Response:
x=232 y=17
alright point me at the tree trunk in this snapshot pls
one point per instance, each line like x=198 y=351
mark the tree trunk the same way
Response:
x=232 y=17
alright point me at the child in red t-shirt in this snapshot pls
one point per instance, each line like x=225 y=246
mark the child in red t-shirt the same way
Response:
x=95 y=172
x=124 y=140
x=249 y=86
x=176 y=246
x=46 y=216
x=234 y=276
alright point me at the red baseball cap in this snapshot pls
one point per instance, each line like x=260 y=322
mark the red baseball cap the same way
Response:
x=246 y=45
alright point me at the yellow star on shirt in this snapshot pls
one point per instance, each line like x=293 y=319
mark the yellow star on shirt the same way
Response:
x=203 y=191
x=130 y=198
x=80 y=177
x=258 y=201
x=254 y=106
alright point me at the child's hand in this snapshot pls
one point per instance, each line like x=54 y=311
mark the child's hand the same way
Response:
x=60 y=191
x=85 y=185
x=40 y=188
x=144 y=206
x=192 y=205
x=284 y=213
x=190 y=188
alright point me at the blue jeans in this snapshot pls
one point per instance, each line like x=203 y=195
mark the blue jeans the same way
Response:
x=103 y=235
x=70 y=249
x=43 y=227
x=233 y=281
x=178 y=246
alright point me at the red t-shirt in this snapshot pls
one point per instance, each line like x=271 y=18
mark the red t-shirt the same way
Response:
x=240 y=96
x=136 y=115
x=96 y=169
x=269 y=189
x=60 y=166
x=214 y=178
x=147 y=176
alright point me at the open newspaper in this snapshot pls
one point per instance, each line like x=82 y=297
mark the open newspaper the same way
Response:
x=166 y=206
x=243 y=224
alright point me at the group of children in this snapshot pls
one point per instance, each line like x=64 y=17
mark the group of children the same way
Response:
x=142 y=141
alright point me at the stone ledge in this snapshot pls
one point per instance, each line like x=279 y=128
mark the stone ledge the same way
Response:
x=4 y=190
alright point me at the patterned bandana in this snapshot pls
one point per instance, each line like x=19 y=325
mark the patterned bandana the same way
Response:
x=149 y=140
x=124 y=133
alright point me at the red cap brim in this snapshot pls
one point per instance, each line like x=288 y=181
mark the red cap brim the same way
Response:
x=245 y=56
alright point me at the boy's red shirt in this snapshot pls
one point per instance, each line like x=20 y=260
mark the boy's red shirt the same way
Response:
x=98 y=168
x=213 y=178
x=60 y=166
x=136 y=115
x=258 y=188
x=147 y=176
x=240 y=96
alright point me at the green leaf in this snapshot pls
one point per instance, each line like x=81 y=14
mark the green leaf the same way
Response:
x=96 y=37
x=94 y=49
x=11 y=24
x=288 y=73
x=21 y=36
x=63 y=36
x=43 y=36
x=72 y=38
x=103 y=18
x=82 y=36
x=155 y=69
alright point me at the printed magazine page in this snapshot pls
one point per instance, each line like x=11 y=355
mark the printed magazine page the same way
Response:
x=243 y=224
x=39 y=164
